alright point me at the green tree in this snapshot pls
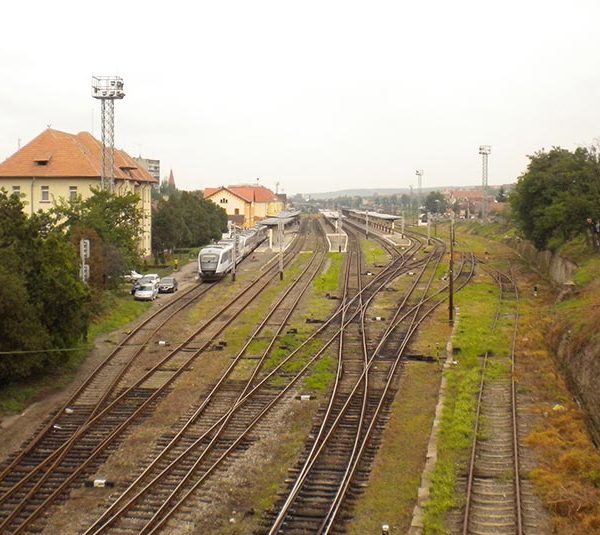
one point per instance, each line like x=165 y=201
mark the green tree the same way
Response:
x=554 y=197
x=114 y=221
x=43 y=304
x=501 y=196
x=186 y=219
x=436 y=203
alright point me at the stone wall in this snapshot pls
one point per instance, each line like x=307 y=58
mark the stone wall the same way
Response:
x=558 y=269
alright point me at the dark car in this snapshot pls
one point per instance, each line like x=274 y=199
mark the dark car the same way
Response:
x=167 y=285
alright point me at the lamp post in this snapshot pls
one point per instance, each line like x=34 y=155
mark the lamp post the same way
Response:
x=451 y=274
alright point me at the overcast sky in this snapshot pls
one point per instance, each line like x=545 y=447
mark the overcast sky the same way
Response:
x=318 y=95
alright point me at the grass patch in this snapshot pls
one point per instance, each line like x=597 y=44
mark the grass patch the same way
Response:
x=473 y=337
x=374 y=253
x=394 y=479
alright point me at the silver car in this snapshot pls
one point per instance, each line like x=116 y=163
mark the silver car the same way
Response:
x=146 y=292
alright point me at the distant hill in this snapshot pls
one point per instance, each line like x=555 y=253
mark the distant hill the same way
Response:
x=370 y=192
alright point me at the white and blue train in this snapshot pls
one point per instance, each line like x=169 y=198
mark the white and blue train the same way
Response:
x=216 y=260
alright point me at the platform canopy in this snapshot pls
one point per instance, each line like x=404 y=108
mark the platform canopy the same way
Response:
x=377 y=215
x=286 y=218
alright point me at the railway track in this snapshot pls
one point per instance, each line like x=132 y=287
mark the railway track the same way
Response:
x=213 y=431
x=45 y=478
x=337 y=460
x=228 y=436
x=497 y=500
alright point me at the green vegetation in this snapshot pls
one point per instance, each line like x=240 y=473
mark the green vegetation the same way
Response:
x=557 y=197
x=473 y=337
x=116 y=310
x=185 y=219
x=43 y=304
x=112 y=223
x=374 y=253
x=329 y=281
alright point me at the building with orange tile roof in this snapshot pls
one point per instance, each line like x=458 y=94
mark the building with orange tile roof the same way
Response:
x=58 y=165
x=245 y=205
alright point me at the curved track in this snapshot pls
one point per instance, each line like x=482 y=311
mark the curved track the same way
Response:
x=89 y=443
x=337 y=459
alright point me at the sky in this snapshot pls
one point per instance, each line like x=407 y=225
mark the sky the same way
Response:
x=316 y=95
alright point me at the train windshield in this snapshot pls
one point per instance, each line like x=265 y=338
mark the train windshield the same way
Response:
x=209 y=259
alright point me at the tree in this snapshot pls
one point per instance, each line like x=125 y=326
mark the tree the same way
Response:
x=556 y=195
x=43 y=304
x=186 y=219
x=501 y=196
x=113 y=223
x=436 y=203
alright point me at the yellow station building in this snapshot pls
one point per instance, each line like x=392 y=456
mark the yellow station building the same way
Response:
x=58 y=165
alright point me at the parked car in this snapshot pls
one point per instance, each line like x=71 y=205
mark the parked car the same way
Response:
x=167 y=285
x=153 y=277
x=132 y=276
x=146 y=292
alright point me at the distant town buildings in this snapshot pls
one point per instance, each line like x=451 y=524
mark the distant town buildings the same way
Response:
x=246 y=205
x=58 y=165
x=152 y=166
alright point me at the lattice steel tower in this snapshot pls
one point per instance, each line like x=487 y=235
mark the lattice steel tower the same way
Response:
x=107 y=89
x=485 y=151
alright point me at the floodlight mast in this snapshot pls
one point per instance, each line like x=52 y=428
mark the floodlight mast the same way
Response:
x=485 y=151
x=107 y=89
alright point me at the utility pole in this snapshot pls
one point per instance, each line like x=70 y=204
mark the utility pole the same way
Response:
x=451 y=275
x=402 y=233
x=485 y=151
x=428 y=228
x=420 y=191
x=235 y=246
x=367 y=224
x=280 y=225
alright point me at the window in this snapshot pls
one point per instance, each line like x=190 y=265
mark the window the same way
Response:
x=223 y=201
x=16 y=190
x=72 y=193
x=45 y=190
x=237 y=211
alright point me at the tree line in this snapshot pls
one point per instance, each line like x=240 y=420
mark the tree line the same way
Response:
x=45 y=308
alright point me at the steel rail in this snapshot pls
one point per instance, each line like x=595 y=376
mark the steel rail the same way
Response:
x=92 y=376
x=103 y=522
x=299 y=375
x=328 y=524
x=316 y=452
x=499 y=277
x=63 y=451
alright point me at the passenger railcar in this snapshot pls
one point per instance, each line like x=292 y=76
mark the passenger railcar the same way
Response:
x=215 y=261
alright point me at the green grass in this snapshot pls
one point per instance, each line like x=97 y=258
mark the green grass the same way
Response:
x=588 y=272
x=374 y=253
x=329 y=280
x=477 y=304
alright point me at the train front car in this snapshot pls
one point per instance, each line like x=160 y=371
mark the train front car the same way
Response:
x=214 y=261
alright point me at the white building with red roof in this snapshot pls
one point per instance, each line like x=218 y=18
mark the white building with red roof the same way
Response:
x=58 y=165
x=245 y=205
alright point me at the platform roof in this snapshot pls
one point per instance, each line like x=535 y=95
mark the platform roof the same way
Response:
x=376 y=215
x=285 y=217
